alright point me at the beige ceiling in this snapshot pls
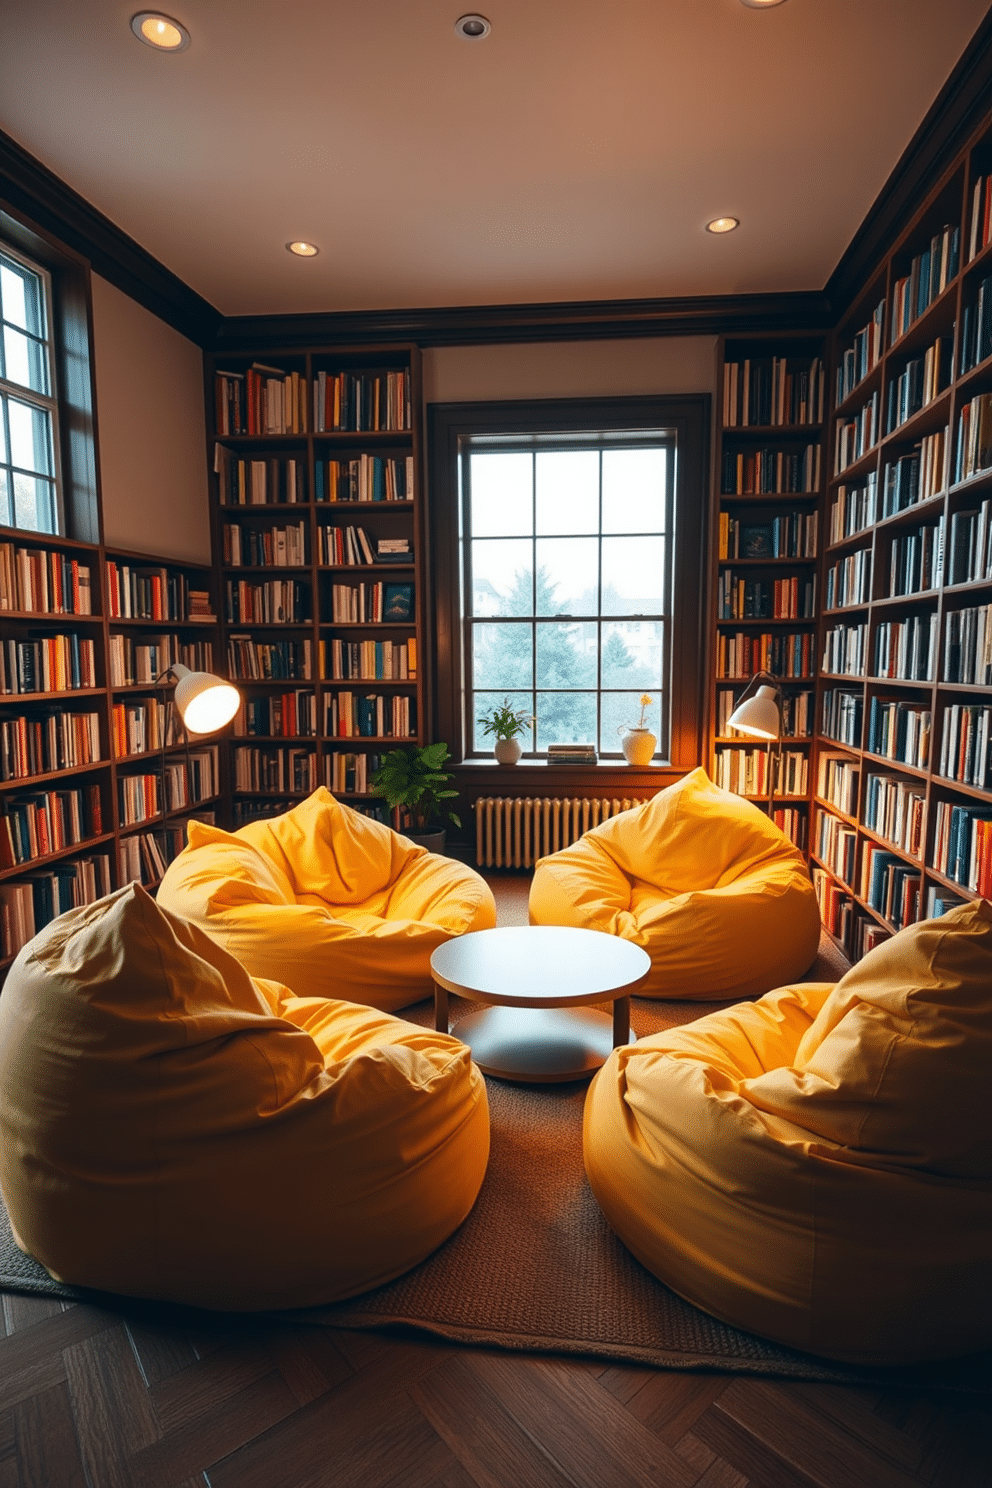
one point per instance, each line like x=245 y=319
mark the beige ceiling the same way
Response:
x=574 y=154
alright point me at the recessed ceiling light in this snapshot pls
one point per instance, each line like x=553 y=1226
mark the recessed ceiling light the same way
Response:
x=760 y=4
x=472 y=27
x=723 y=224
x=159 y=31
x=303 y=250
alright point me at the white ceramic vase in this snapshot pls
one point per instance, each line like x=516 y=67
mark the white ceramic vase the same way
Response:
x=507 y=751
x=638 y=745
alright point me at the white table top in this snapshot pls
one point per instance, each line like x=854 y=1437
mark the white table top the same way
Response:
x=540 y=966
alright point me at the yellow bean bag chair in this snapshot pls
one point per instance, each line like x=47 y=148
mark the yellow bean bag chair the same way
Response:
x=714 y=892
x=172 y=1129
x=327 y=901
x=815 y=1167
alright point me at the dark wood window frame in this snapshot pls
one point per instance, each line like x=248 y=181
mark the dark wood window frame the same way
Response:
x=450 y=426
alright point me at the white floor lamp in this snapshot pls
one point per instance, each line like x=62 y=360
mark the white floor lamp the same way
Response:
x=759 y=713
x=205 y=704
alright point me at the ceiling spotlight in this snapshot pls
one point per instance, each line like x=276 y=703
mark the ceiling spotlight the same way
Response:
x=723 y=224
x=303 y=250
x=472 y=27
x=159 y=31
x=760 y=4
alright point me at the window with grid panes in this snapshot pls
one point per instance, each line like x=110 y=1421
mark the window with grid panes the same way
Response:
x=29 y=485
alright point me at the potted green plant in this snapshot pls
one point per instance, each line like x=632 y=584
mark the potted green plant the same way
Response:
x=414 y=780
x=506 y=723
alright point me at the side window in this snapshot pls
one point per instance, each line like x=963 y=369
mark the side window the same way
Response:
x=30 y=497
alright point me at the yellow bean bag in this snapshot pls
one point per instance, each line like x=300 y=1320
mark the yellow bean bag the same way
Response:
x=327 y=901
x=714 y=892
x=815 y=1167
x=172 y=1129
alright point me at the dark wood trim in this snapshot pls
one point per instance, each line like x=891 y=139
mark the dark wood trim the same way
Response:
x=955 y=114
x=448 y=424
x=583 y=320
x=38 y=193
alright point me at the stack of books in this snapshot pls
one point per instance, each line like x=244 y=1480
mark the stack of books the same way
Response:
x=572 y=754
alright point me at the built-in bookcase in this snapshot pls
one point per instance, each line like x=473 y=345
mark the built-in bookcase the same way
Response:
x=317 y=530
x=770 y=468
x=83 y=634
x=902 y=780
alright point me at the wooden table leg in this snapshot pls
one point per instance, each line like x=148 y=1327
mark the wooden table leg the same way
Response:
x=440 y=1008
x=621 y=1022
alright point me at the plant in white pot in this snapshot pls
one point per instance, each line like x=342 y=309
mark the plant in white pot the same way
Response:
x=637 y=741
x=414 y=780
x=507 y=724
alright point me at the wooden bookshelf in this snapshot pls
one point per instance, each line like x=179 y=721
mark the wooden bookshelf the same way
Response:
x=769 y=466
x=320 y=567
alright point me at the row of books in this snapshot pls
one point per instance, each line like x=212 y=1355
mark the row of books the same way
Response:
x=962 y=848
x=261 y=400
x=273 y=602
x=797 y=713
x=841 y=716
x=41 y=581
x=979 y=227
x=835 y=843
x=272 y=480
x=143 y=725
x=368 y=661
x=966 y=744
x=974 y=446
x=792 y=535
x=969 y=547
x=265 y=547
x=47 y=822
x=51 y=663
x=375 y=604
x=761 y=391
x=288 y=715
x=27 y=905
x=837 y=779
x=268 y=400
x=894 y=809
x=845 y=650
x=976 y=327
x=853 y=509
x=364 y=478
x=900 y=731
x=350 y=774
x=138 y=663
x=794 y=822
x=348 y=715
x=836 y=906
x=142 y=593
x=848 y=581
x=890 y=886
x=770 y=472
x=572 y=753
x=195 y=777
x=743 y=771
x=758 y=599
x=263 y=661
x=921 y=380
x=917 y=475
x=855 y=436
x=907 y=648
x=968 y=646
x=916 y=560
x=271 y=771
x=861 y=356
x=929 y=275
x=740 y=656
x=47 y=742
x=361 y=401
x=350 y=546
x=144 y=856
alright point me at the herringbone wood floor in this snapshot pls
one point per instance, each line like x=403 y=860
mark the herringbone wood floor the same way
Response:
x=147 y=1398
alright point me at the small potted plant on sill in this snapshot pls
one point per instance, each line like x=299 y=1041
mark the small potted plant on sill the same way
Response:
x=637 y=741
x=506 y=723
x=413 y=780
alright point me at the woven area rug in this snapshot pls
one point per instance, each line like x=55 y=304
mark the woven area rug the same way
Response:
x=535 y=1266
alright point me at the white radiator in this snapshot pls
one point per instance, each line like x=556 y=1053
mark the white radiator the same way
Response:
x=514 y=831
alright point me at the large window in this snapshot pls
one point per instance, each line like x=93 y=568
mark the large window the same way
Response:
x=29 y=490
x=573 y=571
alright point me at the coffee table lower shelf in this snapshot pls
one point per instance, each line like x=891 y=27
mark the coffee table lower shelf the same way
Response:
x=543 y=1045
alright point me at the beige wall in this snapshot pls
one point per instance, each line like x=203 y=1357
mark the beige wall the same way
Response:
x=570 y=369
x=150 y=421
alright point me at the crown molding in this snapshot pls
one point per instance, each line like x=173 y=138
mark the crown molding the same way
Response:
x=41 y=195
x=956 y=113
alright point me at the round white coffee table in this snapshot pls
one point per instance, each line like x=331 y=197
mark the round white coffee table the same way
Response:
x=539 y=980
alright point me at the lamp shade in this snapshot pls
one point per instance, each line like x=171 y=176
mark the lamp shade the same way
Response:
x=205 y=702
x=757 y=715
